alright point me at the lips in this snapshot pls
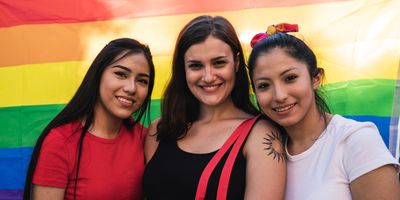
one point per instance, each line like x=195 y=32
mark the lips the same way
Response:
x=284 y=108
x=125 y=101
x=210 y=88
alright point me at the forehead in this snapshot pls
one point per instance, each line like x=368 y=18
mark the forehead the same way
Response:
x=135 y=62
x=212 y=47
x=276 y=61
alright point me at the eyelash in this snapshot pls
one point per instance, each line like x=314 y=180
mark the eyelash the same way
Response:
x=290 y=78
x=262 y=86
x=121 y=74
x=195 y=66
x=143 y=81
x=124 y=76
x=219 y=63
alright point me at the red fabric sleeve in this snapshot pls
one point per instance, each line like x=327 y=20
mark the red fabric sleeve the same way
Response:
x=52 y=165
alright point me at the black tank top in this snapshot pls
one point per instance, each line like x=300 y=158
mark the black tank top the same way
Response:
x=173 y=174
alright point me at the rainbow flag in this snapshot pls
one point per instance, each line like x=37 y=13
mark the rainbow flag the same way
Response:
x=47 y=46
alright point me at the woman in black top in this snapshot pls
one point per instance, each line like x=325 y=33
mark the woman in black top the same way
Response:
x=206 y=103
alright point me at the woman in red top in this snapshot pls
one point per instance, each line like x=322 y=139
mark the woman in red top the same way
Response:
x=93 y=149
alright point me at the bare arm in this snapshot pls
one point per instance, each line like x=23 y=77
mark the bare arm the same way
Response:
x=47 y=193
x=266 y=163
x=381 y=183
x=151 y=143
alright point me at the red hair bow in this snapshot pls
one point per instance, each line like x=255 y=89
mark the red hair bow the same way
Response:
x=282 y=27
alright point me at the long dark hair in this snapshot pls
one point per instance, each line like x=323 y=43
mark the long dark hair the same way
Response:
x=179 y=107
x=298 y=50
x=81 y=106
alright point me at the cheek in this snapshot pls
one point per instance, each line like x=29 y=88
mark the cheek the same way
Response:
x=305 y=92
x=191 y=77
x=229 y=73
x=263 y=100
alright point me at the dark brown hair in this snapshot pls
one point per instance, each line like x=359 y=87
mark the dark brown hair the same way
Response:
x=297 y=49
x=179 y=107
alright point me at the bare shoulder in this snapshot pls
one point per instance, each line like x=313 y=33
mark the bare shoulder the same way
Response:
x=266 y=137
x=265 y=162
x=151 y=143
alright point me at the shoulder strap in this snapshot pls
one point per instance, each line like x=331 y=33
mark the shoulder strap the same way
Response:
x=236 y=139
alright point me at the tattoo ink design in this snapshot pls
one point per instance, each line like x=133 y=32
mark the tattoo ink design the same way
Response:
x=274 y=147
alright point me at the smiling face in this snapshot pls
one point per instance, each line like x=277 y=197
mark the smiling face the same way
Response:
x=284 y=89
x=210 y=71
x=123 y=87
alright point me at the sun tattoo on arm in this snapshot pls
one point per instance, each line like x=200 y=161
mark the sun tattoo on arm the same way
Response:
x=274 y=146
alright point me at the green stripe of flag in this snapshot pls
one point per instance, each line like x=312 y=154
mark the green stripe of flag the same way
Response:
x=20 y=126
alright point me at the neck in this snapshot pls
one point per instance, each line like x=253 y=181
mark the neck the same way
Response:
x=104 y=125
x=226 y=110
x=303 y=134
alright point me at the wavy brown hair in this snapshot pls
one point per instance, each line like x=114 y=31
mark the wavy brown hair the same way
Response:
x=179 y=108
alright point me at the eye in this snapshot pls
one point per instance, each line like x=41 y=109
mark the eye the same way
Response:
x=219 y=63
x=195 y=66
x=143 y=81
x=290 y=78
x=121 y=74
x=262 y=86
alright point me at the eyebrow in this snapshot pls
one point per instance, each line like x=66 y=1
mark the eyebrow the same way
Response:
x=129 y=70
x=122 y=67
x=144 y=75
x=282 y=73
x=288 y=70
x=217 y=58
x=212 y=59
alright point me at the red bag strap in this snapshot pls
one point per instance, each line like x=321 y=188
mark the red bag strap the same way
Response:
x=236 y=139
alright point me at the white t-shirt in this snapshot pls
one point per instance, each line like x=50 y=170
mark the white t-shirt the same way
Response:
x=345 y=150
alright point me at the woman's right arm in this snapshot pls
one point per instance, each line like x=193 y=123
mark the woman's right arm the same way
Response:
x=151 y=143
x=47 y=193
x=51 y=173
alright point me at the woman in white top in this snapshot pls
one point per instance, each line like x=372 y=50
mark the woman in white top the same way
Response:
x=329 y=156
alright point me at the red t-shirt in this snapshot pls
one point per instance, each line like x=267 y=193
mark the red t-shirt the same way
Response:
x=109 y=168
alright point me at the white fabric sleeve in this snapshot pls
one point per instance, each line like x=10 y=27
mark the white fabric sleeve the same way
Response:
x=364 y=151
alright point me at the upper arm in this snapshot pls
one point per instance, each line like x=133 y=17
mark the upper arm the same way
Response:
x=266 y=163
x=53 y=164
x=370 y=166
x=381 y=183
x=47 y=193
x=364 y=151
x=151 y=143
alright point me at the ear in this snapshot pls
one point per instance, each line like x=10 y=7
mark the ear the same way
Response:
x=237 y=61
x=316 y=80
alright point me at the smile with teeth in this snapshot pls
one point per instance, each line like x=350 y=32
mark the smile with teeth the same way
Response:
x=285 y=108
x=123 y=100
x=210 y=87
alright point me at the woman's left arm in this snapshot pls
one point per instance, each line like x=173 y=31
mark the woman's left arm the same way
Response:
x=266 y=163
x=381 y=183
x=370 y=166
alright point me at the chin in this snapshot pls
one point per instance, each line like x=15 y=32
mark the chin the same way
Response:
x=123 y=115
x=287 y=122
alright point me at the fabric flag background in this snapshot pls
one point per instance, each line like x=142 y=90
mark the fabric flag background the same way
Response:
x=47 y=46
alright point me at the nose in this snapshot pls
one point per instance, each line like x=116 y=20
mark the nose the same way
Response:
x=281 y=93
x=129 y=86
x=208 y=74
